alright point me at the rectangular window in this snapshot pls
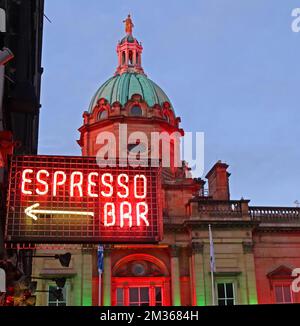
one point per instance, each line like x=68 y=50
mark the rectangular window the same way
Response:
x=139 y=296
x=120 y=297
x=226 y=295
x=158 y=296
x=283 y=293
x=57 y=297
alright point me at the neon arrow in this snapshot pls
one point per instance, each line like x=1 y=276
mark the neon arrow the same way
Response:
x=31 y=212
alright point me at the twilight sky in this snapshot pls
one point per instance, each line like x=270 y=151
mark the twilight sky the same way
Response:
x=231 y=69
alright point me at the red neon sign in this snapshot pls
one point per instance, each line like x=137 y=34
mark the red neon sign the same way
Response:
x=72 y=200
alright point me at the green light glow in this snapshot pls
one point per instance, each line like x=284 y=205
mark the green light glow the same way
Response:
x=200 y=300
x=107 y=300
x=87 y=293
x=177 y=301
x=253 y=299
x=87 y=300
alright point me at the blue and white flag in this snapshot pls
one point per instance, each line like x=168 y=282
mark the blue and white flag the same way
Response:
x=211 y=251
x=100 y=259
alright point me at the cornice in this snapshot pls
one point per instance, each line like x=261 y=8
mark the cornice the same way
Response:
x=128 y=119
x=203 y=224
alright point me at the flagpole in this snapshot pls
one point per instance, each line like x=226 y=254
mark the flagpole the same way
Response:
x=212 y=265
x=212 y=287
x=100 y=289
x=100 y=262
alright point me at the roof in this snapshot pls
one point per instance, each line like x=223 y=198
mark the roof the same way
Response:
x=120 y=88
x=128 y=38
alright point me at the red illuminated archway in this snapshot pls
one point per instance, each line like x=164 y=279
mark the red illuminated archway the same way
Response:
x=141 y=257
x=140 y=279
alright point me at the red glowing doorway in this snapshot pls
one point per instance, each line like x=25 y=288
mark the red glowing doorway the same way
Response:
x=140 y=280
x=141 y=291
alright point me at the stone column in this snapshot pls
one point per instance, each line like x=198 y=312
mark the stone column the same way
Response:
x=127 y=57
x=175 y=275
x=107 y=277
x=120 y=58
x=140 y=58
x=134 y=57
x=250 y=272
x=197 y=273
x=86 y=276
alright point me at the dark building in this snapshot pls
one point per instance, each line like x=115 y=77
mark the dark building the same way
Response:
x=21 y=101
x=21 y=31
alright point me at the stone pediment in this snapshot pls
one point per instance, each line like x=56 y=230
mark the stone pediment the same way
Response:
x=281 y=271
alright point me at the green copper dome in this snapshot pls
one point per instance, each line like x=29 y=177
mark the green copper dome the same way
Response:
x=121 y=88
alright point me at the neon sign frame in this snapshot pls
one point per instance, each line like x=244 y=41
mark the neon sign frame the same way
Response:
x=70 y=199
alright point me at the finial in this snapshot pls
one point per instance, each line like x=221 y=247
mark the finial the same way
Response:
x=128 y=25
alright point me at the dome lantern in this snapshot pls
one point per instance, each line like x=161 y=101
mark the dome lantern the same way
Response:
x=130 y=79
x=129 y=52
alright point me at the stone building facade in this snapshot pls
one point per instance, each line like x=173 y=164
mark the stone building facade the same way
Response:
x=256 y=248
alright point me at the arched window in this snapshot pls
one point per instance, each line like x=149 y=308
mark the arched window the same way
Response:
x=102 y=115
x=151 y=265
x=123 y=57
x=130 y=56
x=136 y=111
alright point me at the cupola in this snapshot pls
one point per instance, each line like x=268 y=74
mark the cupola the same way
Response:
x=129 y=51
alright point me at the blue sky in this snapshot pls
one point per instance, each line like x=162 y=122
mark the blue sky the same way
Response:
x=231 y=69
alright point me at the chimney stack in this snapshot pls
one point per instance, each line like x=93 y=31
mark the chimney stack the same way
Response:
x=218 y=181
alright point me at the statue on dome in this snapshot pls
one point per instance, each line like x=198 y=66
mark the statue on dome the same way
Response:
x=128 y=25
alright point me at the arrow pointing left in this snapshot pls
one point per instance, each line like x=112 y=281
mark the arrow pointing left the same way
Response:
x=32 y=212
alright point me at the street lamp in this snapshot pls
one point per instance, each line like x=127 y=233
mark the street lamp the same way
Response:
x=64 y=259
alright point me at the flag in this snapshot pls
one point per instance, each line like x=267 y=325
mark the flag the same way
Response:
x=100 y=259
x=211 y=251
